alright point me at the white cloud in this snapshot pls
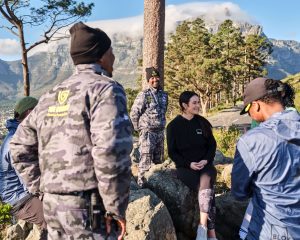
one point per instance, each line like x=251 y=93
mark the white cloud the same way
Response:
x=211 y=12
x=9 y=47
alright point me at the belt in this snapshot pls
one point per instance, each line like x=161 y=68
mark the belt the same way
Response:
x=79 y=193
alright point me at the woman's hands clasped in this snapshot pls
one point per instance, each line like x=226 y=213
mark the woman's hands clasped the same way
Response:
x=198 y=165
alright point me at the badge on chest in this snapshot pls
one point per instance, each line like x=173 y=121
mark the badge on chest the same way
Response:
x=199 y=131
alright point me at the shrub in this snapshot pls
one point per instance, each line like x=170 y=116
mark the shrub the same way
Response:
x=5 y=216
x=226 y=140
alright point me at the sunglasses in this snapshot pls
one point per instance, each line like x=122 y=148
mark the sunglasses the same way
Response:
x=248 y=107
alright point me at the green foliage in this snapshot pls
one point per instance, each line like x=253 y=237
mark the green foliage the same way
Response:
x=294 y=81
x=226 y=140
x=210 y=64
x=5 y=216
x=131 y=95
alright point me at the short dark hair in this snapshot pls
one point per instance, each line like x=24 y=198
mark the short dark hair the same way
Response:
x=204 y=123
x=185 y=98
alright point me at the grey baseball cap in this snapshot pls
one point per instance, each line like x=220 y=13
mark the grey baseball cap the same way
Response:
x=255 y=90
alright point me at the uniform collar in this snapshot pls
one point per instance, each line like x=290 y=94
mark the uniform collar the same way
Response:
x=92 y=67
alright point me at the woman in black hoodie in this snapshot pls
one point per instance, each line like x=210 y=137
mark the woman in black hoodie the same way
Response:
x=192 y=146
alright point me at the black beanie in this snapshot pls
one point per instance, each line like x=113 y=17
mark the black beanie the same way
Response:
x=87 y=44
x=151 y=72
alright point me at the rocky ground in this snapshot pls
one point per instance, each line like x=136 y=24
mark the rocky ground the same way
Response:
x=165 y=209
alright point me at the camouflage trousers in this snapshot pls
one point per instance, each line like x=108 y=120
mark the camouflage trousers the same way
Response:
x=67 y=217
x=151 y=148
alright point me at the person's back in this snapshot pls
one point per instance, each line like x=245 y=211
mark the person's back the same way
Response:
x=68 y=141
x=79 y=136
x=276 y=167
x=267 y=163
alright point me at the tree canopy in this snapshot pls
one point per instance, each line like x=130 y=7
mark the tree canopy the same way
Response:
x=212 y=63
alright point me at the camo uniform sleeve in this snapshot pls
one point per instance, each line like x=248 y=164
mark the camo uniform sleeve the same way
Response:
x=137 y=110
x=24 y=151
x=112 y=143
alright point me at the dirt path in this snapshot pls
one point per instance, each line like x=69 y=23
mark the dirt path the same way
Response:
x=230 y=116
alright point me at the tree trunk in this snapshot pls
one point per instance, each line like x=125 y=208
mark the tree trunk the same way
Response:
x=24 y=62
x=154 y=30
x=203 y=102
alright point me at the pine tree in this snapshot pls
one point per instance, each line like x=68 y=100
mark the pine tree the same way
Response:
x=256 y=51
x=189 y=64
x=228 y=45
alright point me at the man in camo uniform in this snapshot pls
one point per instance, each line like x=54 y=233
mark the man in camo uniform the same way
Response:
x=148 y=118
x=78 y=140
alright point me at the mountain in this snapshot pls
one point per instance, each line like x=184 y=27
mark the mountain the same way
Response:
x=285 y=59
x=51 y=67
x=50 y=64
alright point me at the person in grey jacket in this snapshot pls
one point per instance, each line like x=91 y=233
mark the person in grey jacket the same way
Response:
x=267 y=163
x=148 y=118
x=76 y=144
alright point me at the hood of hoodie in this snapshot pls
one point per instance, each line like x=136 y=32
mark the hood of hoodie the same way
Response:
x=286 y=125
x=12 y=125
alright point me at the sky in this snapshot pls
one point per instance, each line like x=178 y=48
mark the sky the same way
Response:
x=280 y=19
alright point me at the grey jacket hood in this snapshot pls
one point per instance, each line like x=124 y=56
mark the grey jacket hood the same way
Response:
x=286 y=125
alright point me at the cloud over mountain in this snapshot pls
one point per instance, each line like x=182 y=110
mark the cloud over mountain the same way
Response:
x=211 y=12
x=9 y=47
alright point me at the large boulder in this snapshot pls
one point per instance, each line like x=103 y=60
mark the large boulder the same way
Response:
x=180 y=201
x=147 y=217
x=183 y=206
x=230 y=214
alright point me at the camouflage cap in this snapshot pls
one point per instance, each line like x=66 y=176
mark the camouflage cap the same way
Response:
x=25 y=104
x=151 y=72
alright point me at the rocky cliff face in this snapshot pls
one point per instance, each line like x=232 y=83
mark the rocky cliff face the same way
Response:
x=285 y=59
x=50 y=67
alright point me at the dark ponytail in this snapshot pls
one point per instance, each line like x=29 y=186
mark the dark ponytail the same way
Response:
x=279 y=92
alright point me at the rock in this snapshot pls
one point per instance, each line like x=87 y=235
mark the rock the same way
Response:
x=226 y=175
x=18 y=231
x=183 y=207
x=147 y=217
x=180 y=201
x=230 y=215
x=221 y=159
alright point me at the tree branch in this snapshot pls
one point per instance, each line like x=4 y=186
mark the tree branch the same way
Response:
x=13 y=17
x=11 y=30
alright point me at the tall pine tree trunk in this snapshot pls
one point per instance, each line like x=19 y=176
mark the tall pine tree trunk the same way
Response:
x=154 y=30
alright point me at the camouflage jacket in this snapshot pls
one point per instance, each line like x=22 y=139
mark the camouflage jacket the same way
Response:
x=77 y=138
x=149 y=110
